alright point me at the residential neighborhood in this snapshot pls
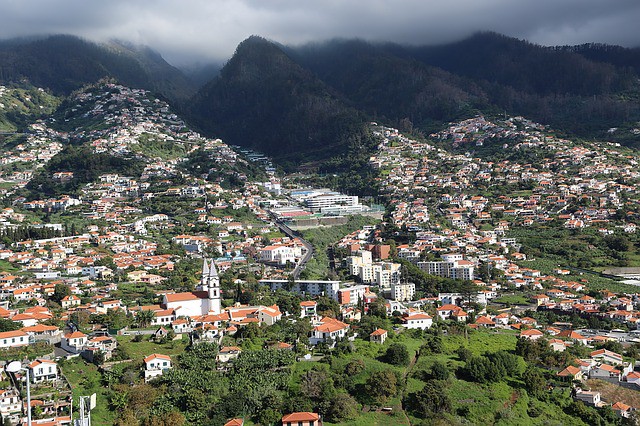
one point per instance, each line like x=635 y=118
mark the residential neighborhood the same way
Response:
x=206 y=268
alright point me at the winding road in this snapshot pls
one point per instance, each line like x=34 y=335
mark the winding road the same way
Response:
x=293 y=234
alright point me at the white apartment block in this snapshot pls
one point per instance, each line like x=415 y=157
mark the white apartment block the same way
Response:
x=311 y=288
x=402 y=292
x=329 y=199
x=452 y=266
x=383 y=274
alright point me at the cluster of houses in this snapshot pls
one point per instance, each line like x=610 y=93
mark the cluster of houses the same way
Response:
x=577 y=185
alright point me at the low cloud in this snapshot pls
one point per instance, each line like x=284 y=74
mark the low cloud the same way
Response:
x=209 y=30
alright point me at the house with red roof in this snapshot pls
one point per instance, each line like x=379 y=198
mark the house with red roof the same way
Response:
x=74 y=342
x=633 y=377
x=531 y=334
x=378 y=336
x=70 y=301
x=485 y=321
x=622 y=409
x=413 y=320
x=328 y=330
x=571 y=373
x=43 y=370
x=155 y=365
x=302 y=419
x=12 y=339
x=228 y=353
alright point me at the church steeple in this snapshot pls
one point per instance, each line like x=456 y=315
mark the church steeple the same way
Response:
x=210 y=282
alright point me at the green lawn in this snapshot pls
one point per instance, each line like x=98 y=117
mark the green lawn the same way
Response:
x=513 y=299
x=376 y=419
x=140 y=350
x=482 y=341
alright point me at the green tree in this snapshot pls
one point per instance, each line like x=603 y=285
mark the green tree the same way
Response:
x=145 y=317
x=382 y=385
x=439 y=371
x=432 y=399
x=60 y=292
x=397 y=354
x=534 y=382
x=342 y=407
x=8 y=325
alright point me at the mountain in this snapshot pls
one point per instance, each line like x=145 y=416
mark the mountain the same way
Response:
x=308 y=104
x=393 y=88
x=165 y=78
x=288 y=101
x=264 y=100
x=572 y=90
x=65 y=63
x=21 y=103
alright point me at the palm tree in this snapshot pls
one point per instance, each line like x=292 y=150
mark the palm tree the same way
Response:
x=145 y=317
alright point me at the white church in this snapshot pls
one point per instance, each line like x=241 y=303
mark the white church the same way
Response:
x=204 y=301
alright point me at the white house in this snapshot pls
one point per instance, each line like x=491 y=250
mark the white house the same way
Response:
x=43 y=370
x=10 y=402
x=604 y=355
x=12 y=339
x=588 y=397
x=228 y=353
x=328 y=330
x=308 y=308
x=69 y=301
x=155 y=365
x=74 y=342
x=378 y=336
x=417 y=320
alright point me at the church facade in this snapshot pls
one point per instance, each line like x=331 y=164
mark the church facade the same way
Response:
x=205 y=300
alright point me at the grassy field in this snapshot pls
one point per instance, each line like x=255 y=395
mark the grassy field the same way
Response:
x=513 y=299
x=85 y=379
x=139 y=350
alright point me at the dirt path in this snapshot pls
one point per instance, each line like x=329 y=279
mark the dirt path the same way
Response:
x=404 y=377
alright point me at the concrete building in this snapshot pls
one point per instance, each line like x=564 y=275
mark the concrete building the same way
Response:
x=402 y=291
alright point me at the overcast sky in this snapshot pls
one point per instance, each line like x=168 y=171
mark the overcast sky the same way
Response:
x=204 y=30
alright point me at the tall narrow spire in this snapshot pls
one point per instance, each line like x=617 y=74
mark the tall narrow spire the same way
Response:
x=205 y=269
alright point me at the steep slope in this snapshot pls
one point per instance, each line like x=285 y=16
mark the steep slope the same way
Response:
x=264 y=100
x=390 y=87
x=490 y=73
x=165 y=78
x=65 y=63
x=524 y=66
x=21 y=104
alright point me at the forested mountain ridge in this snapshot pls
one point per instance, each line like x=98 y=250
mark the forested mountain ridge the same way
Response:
x=64 y=63
x=307 y=104
x=263 y=99
x=582 y=90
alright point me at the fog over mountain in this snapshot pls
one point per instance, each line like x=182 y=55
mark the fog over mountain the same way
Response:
x=209 y=30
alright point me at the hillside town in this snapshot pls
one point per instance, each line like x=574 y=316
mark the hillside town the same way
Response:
x=192 y=271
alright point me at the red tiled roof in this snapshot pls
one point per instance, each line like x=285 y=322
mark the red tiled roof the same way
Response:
x=300 y=417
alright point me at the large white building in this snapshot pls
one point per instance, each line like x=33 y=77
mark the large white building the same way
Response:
x=329 y=199
x=403 y=291
x=311 y=288
x=451 y=266
x=204 y=301
x=383 y=274
x=280 y=255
